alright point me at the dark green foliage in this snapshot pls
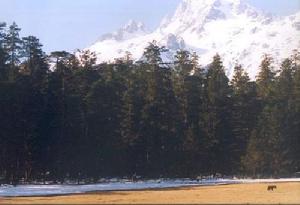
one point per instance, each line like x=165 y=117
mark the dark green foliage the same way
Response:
x=3 y=53
x=265 y=79
x=295 y=112
x=35 y=58
x=273 y=145
x=244 y=113
x=63 y=116
x=13 y=47
x=152 y=53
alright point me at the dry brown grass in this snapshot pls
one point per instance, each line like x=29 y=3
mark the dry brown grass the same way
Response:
x=286 y=193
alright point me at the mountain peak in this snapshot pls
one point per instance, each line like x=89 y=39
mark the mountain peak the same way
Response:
x=211 y=1
x=132 y=26
x=205 y=3
x=131 y=29
x=202 y=7
x=197 y=13
x=232 y=28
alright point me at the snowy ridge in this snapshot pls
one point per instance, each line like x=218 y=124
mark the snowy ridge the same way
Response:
x=44 y=190
x=232 y=28
x=131 y=30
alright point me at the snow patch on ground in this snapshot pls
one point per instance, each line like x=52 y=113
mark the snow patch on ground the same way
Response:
x=46 y=190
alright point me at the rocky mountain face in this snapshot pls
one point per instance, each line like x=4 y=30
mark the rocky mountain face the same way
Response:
x=237 y=31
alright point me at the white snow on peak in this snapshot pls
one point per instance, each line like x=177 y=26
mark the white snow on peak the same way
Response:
x=133 y=26
x=234 y=29
x=210 y=2
x=131 y=29
x=192 y=15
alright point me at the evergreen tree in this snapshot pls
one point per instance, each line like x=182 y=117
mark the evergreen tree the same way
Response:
x=152 y=53
x=217 y=118
x=104 y=110
x=265 y=78
x=270 y=138
x=188 y=86
x=266 y=155
x=295 y=105
x=183 y=62
x=284 y=98
x=58 y=106
x=3 y=53
x=13 y=45
x=133 y=103
x=244 y=113
x=87 y=59
x=35 y=63
x=159 y=118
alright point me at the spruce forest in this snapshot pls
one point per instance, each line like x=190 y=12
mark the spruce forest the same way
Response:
x=62 y=116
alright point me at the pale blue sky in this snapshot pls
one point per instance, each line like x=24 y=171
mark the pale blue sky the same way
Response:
x=71 y=24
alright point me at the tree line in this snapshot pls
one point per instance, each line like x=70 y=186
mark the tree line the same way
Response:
x=62 y=116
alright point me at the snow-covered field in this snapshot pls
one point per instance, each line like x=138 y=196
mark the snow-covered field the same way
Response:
x=43 y=190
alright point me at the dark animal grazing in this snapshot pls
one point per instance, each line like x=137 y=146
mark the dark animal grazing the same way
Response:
x=272 y=187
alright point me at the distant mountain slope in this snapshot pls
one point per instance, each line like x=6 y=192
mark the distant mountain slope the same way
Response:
x=232 y=28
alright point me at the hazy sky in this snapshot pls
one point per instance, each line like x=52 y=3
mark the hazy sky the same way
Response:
x=71 y=24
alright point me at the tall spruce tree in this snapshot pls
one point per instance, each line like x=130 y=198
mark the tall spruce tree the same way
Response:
x=35 y=63
x=13 y=46
x=244 y=113
x=152 y=53
x=265 y=79
x=284 y=98
x=217 y=118
x=3 y=53
x=133 y=103
x=295 y=131
x=267 y=154
x=159 y=121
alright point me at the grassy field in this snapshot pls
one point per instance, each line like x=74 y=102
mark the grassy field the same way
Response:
x=286 y=193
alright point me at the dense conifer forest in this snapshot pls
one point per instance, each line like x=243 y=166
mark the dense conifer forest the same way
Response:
x=62 y=116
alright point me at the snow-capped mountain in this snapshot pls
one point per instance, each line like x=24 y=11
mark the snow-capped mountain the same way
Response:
x=232 y=28
x=130 y=30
